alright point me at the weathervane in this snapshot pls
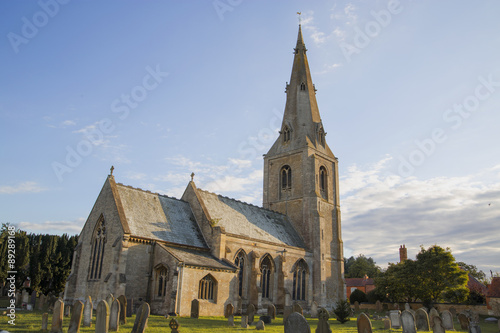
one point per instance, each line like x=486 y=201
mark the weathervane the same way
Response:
x=300 y=17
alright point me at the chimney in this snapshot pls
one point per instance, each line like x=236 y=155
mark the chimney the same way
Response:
x=403 y=254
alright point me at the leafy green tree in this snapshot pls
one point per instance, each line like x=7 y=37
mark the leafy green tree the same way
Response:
x=401 y=282
x=477 y=273
x=360 y=266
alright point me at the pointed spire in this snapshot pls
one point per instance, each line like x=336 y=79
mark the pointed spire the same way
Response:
x=300 y=42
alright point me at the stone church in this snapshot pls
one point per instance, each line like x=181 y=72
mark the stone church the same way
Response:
x=168 y=252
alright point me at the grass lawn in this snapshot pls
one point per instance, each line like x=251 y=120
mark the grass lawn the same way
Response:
x=32 y=322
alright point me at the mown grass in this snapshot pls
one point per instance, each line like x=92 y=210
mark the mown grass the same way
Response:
x=31 y=321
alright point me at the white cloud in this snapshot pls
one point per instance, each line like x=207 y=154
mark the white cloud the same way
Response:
x=25 y=187
x=67 y=123
x=317 y=36
x=53 y=227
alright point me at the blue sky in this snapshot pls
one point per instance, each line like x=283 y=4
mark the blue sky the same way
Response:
x=408 y=91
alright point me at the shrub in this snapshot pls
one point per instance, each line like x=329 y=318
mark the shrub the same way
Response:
x=359 y=296
x=374 y=296
x=342 y=311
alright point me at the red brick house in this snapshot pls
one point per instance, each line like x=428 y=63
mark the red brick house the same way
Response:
x=365 y=284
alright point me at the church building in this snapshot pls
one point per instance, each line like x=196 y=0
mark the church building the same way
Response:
x=217 y=250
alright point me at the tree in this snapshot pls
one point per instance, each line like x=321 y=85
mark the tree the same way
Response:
x=359 y=296
x=360 y=266
x=401 y=282
x=472 y=270
x=342 y=311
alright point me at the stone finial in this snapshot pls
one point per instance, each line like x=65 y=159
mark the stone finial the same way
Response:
x=111 y=170
x=192 y=176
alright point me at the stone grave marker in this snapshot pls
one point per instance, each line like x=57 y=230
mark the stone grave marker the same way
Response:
x=244 y=321
x=228 y=310
x=45 y=322
x=422 y=320
x=323 y=325
x=33 y=299
x=87 y=312
x=25 y=297
x=114 y=316
x=67 y=311
x=251 y=313
x=314 y=309
x=297 y=308
x=41 y=302
x=174 y=325
x=364 y=324
x=437 y=325
x=474 y=323
x=57 y=317
x=195 y=308
x=407 y=306
x=453 y=311
x=433 y=313
x=408 y=322
x=378 y=306
x=356 y=306
x=123 y=309
x=260 y=326
x=130 y=307
x=271 y=311
x=266 y=319
x=464 y=321
x=230 y=320
x=387 y=324
x=109 y=299
x=286 y=312
x=394 y=316
x=141 y=319
x=499 y=325
x=102 y=317
x=447 y=319
x=395 y=306
x=296 y=323
x=76 y=317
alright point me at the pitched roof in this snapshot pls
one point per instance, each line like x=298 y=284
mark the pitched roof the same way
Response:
x=242 y=219
x=358 y=282
x=156 y=216
x=494 y=287
x=198 y=258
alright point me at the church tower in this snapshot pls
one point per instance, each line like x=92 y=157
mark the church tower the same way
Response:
x=301 y=181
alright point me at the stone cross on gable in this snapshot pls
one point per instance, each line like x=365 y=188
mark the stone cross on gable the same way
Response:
x=192 y=176
x=111 y=170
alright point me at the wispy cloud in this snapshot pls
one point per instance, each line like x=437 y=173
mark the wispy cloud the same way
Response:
x=54 y=227
x=24 y=187
x=317 y=36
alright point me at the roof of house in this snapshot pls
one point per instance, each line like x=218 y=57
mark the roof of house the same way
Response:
x=155 y=216
x=359 y=282
x=494 y=287
x=242 y=219
x=196 y=258
x=474 y=284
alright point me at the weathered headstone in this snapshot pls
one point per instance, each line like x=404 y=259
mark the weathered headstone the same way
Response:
x=87 y=312
x=45 y=322
x=474 y=323
x=286 y=312
x=395 y=306
x=437 y=325
x=464 y=321
x=266 y=319
x=130 y=307
x=297 y=308
x=42 y=302
x=260 y=326
x=33 y=299
x=364 y=324
x=102 y=317
x=57 y=317
x=174 y=325
x=394 y=316
x=67 y=311
x=433 y=313
x=323 y=325
x=141 y=319
x=422 y=320
x=271 y=311
x=228 y=310
x=447 y=319
x=407 y=306
x=230 y=320
x=453 y=311
x=114 y=316
x=356 y=306
x=408 y=322
x=251 y=313
x=296 y=323
x=109 y=299
x=195 y=308
x=123 y=309
x=76 y=317
x=387 y=324
x=26 y=297
x=314 y=309
x=378 y=306
x=244 y=321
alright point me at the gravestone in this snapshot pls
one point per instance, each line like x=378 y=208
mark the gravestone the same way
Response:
x=251 y=313
x=356 y=306
x=364 y=324
x=474 y=323
x=394 y=316
x=33 y=299
x=195 y=308
x=422 y=320
x=230 y=320
x=174 y=325
x=114 y=316
x=87 y=312
x=453 y=311
x=447 y=319
x=464 y=321
x=141 y=319
x=271 y=311
x=244 y=321
x=437 y=325
x=314 y=309
x=387 y=324
x=297 y=308
x=102 y=317
x=41 y=302
x=395 y=306
x=57 y=317
x=286 y=312
x=228 y=310
x=45 y=322
x=296 y=323
x=109 y=299
x=25 y=297
x=408 y=322
x=67 y=311
x=323 y=325
x=76 y=317
x=123 y=309
x=433 y=313
x=499 y=325
x=130 y=307
x=407 y=306
x=378 y=306
x=260 y=326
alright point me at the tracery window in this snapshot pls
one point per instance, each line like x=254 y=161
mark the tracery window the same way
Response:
x=299 y=281
x=286 y=134
x=161 y=280
x=98 y=242
x=266 y=277
x=286 y=177
x=208 y=288
x=321 y=136
x=240 y=263
x=302 y=86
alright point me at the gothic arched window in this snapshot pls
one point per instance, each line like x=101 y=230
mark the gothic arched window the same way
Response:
x=286 y=177
x=240 y=263
x=323 y=181
x=300 y=273
x=266 y=277
x=321 y=136
x=161 y=280
x=286 y=134
x=98 y=242
x=208 y=288
x=302 y=86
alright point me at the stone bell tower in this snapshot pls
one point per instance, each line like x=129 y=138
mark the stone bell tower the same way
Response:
x=301 y=181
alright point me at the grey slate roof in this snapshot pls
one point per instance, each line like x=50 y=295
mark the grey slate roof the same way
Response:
x=156 y=216
x=247 y=220
x=198 y=258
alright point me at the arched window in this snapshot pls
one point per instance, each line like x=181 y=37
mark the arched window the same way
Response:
x=323 y=181
x=98 y=242
x=321 y=136
x=266 y=277
x=302 y=86
x=299 y=281
x=286 y=134
x=208 y=288
x=286 y=177
x=240 y=263
x=161 y=280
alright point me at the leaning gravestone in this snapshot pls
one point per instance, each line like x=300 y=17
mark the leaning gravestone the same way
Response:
x=394 y=316
x=76 y=318
x=447 y=319
x=433 y=313
x=102 y=317
x=123 y=309
x=57 y=317
x=453 y=311
x=408 y=322
x=297 y=308
x=464 y=321
x=437 y=325
x=296 y=323
x=114 y=316
x=378 y=306
x=323 y=325
x=244 y=321
x=387 y=324
x=230 y=320
x=364 y=324
x=141 y=319
x=251 y=313
x=260 y=326
x=422 y=320
x=87 y=312
x=271 y=311
x=45 y=322
x=228 y=310
x=195 y=308
x=314 y=309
